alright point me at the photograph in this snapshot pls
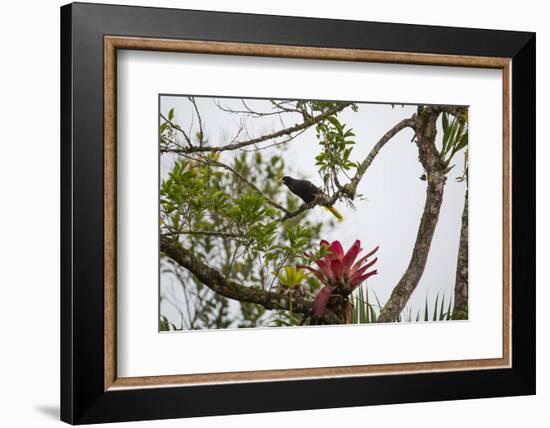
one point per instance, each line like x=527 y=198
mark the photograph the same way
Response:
x=288 y=212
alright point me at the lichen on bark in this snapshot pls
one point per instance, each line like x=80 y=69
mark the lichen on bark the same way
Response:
x=460 y=308
x=425 y=127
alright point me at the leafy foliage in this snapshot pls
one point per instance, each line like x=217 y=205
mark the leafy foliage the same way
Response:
x=233 y=227
x=291 y=277
x=366 y=311
x=337 y=143
x=165 y=325
x=455 y=137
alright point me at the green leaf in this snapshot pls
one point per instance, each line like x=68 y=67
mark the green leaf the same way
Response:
x=442 y=308
x=463 y=142
x=449 y=315
x=362 y=313
x=426 y=316
x=449 y=136
x=373 y=314
x=445 y=121
x=336 y=123
x=435 y=308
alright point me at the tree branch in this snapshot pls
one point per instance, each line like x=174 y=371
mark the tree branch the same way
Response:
x=282 y=132
x=232 y=290
x=425 y=126
x=460 y=308
x=404 y=288
x=405 y=123
x=205 y=233
x=321 y=200
x=255 y=113
x=199 y=118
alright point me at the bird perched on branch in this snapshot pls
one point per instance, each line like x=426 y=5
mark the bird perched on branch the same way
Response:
x=307 y=191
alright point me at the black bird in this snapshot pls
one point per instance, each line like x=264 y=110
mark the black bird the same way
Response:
x=307 y=191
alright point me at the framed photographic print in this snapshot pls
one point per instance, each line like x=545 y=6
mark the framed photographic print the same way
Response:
x=266 y=213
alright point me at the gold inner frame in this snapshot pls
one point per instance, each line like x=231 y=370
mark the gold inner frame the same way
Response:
x=112 y=43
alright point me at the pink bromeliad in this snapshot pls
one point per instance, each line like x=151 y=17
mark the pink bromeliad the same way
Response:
x=338 y=272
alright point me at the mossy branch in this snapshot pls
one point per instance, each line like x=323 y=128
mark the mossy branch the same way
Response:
x=219 y=284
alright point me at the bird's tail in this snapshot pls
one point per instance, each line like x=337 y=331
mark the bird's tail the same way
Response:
x=335 y=213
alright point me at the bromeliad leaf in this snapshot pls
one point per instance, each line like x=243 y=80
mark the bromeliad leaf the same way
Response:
x=291 y=276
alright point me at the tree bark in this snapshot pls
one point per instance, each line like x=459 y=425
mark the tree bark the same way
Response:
x=425 y=126
x=404 y=288
x=460 y=308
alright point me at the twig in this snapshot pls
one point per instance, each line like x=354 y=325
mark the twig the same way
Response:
x=249 y=111
x=243 y=179
x=177 y=128
x=277 y=143
x=199 y=118
x=205 y=233
x=405 y=123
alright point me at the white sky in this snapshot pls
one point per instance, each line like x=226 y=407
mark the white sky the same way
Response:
x=395 y=196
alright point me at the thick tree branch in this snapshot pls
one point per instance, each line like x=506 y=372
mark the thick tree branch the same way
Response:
x=404 y=288
x=425 y=126
x=287 y=131
x=460 y=309
x=232 y=290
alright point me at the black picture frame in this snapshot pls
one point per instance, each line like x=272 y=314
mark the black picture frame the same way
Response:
x=83 y=398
